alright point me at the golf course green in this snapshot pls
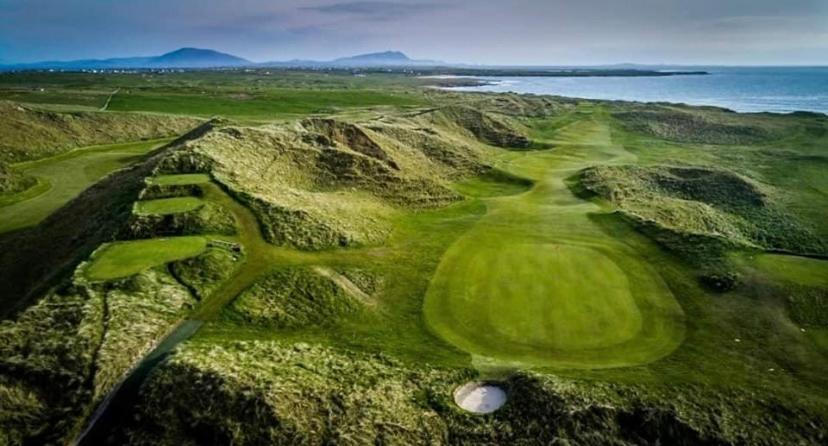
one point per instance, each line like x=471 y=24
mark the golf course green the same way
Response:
x=164 y=206
x=537 y=283
x=67 y=175
x=179 y=180
x=122 y=259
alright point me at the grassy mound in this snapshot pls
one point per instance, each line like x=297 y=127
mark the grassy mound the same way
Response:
x=204 y=273
x=28 y=134
x=695 y=125
x=65 y=353
x=13 y=181
x=272 y=393
x=490 y=128
x=323 y=183
x=298 y=297
x=122 y=259
x=692 y=208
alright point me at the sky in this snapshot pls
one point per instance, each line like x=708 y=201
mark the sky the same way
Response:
x=517 y=32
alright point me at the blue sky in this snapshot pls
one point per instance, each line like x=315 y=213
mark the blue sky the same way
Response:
x=482 y=31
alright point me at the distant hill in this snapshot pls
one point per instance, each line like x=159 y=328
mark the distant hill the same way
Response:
x=197 y=58
x=382 y=58
x=379 y=59
x=181 y=58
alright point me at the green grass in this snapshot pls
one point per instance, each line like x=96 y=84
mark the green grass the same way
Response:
x=537 y=283
x=179 y=180
x=123 y=259
x=493 y=184
x=69 y=174
x=269 y=104
x=522 y=274
x=800 y=270
x=166 y=206
x=41 y=186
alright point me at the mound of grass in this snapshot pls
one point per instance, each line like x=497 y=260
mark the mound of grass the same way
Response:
x=179 y=216
x=697 y=126
x=28 y=134
x=12 y=181
x=488 y=127
x=165 y=206
x=695 y=208
x=325 y=184
x=205 y=272
x=61 y=356
x=265 y=392
x=294 y=297
x=122 y=259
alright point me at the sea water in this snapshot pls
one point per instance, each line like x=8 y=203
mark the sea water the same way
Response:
x=744 y=89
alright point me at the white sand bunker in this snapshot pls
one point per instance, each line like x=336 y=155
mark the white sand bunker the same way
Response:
x=480 y=398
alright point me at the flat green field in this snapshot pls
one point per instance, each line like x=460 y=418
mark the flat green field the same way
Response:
x=180 y=180
x=166 y=206
x=123 y=259
x=68 y=175
x=274 y=103
x=537 y=283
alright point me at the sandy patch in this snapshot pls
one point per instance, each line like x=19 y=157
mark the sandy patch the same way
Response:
x=479 y=397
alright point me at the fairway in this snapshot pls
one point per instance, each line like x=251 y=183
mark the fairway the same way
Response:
x=801 y=270
x=68 y=175
x=537 y=283
x=122 y=259
x=166 y=206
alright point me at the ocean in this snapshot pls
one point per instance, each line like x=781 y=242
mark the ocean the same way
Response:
x=744 y=89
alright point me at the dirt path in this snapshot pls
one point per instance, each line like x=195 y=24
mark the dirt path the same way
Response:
x=109 y=99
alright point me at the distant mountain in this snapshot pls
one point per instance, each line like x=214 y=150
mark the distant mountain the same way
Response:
x=380 y=59
x=181 y=58
x=197 y=58
x=205 y=58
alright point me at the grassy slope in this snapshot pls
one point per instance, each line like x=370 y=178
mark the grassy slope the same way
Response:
x=67 y=175
x=31 y=133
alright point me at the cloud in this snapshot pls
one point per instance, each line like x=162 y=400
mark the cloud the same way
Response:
x=376 y=10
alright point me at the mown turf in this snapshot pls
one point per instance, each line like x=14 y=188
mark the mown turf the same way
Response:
x=164 y=206
x=493 y=184
x=69 y=174
x=536 y=282
x=124 y=259
x=801 y=270
x=179 y=180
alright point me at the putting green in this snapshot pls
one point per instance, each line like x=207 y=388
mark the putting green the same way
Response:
x=122 y=259
x=166 y=206
x=180 y=180
x=538 y=283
